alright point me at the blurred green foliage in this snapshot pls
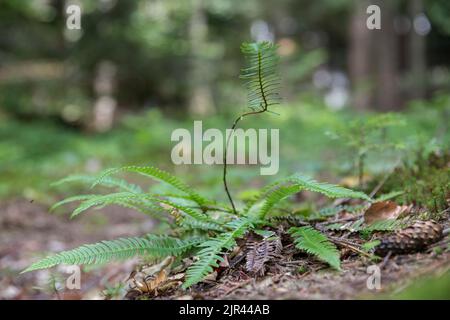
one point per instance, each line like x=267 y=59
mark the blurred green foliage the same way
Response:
x=426 y=288
x=49 y=70
x=34 y=154
x=48 y=91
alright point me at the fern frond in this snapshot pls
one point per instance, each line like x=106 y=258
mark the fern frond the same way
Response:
x=313 y=242
x=334 y=226
x=146 y=208
x=261 y=76
x=159 y=175
x=263 y=193
x=191 y=224
x=276 y=196
x=126 y=200
x=298 y=183
x=191 y=213
x=283 y=188
x=82 y=197
x=130 y=200
x=331 y=211
x=212 y=251
x=383 y=225
x=103 y=200
x=123 y=248
x=106 y=182
x=358 y=226
x=327 y=189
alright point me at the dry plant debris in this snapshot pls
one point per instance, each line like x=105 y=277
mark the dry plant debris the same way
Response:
x=259 y=253
x=384 y=210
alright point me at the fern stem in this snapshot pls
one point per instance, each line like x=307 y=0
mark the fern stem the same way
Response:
x=225 y=164
x=261 y=88
x=263 y=105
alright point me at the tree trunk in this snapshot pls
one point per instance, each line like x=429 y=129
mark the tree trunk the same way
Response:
x=417 y=57
x=359 y=56
x=200 y=101
x=105 y=104
x=387 y=59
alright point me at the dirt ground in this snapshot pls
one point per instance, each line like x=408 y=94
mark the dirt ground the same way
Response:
x=27 y=231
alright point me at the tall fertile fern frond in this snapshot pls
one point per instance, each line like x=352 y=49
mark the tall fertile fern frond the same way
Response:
x=212 y=251
x=313 y=242
x=123 y=248
x=159 y=175
x=262 y=80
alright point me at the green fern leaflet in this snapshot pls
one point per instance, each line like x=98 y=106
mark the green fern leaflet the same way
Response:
x=120 y=249
x=313 y=242
x=212 y=251
x=262 y=80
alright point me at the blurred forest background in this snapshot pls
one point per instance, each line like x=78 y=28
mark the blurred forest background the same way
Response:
x=110 y=94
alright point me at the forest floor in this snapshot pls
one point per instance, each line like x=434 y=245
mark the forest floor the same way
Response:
x=28 y=230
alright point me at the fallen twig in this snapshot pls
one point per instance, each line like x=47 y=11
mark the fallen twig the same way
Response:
x=352 y=247
x=385 y=260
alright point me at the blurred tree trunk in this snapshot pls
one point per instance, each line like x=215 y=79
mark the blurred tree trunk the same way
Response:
x=60 y=20
x=417 y=57
x=386 y=49
x=359 y=56
x=105 y=104
x=200 y=100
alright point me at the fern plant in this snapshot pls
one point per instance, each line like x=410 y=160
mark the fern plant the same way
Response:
x=214 y=234
x=199 y=227
x=316 y=243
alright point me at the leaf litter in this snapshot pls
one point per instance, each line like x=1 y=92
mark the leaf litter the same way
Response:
x=266 y=264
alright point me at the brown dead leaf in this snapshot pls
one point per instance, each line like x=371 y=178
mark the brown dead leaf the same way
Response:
x=151 y=283
x=212 y=277
x=224 y=263
x=150 y=279
x=384 y=210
